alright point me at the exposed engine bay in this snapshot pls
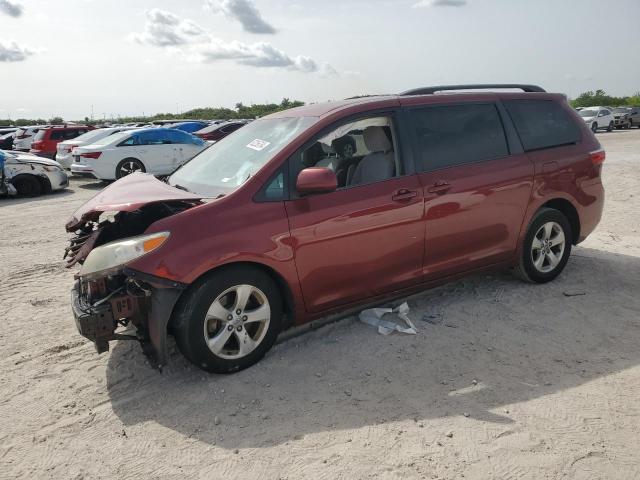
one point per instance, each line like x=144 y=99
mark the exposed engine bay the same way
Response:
x=106 y=307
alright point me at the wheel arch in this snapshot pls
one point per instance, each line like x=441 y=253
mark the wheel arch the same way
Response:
x=568 y=210
x=288 y=303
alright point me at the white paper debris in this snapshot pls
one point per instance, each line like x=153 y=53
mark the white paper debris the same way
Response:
x=373 y=317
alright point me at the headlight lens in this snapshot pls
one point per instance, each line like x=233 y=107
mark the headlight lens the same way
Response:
x=110 y=257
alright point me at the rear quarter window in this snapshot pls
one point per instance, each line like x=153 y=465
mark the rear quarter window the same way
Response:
x=450 y=135
x=542 y=124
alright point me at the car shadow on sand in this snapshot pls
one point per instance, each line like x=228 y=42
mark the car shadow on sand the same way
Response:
x=484 y=342
x=45 y=197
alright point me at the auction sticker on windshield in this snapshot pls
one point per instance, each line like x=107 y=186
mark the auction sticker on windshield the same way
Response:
x=258 y=144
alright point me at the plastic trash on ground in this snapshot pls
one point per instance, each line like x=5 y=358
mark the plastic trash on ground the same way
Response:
x=373 y=317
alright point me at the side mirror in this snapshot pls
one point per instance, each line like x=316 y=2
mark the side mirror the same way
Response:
x=316 y=180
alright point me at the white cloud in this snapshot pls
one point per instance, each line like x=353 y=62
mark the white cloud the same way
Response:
x=440 y=3
x=13 y=9
x=243 y=11
x=164 y=29
x=12 y=52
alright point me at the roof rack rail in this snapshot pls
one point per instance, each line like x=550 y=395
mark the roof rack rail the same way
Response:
x=480 y=86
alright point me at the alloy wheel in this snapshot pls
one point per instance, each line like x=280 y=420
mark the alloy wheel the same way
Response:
x=237 y=322
x=547 y=247
x=129 y=167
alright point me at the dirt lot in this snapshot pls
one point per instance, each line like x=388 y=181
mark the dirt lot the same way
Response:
x=508 y=381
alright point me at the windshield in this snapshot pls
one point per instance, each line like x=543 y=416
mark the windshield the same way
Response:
x=588 y=112
x=87 y=137
x=227 y=164
x=621 y=110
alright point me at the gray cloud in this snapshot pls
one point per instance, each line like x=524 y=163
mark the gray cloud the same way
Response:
x=164 y=29
x=243 y=11
x=12 y=52
x=12 y=9
x=260 y=54
x=440 y=3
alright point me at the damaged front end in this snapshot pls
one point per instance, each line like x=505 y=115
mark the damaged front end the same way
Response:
x=111 y=301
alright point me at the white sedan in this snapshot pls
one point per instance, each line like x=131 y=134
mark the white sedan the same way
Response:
x=64 y=149
x=153 y=150
x=598 y=118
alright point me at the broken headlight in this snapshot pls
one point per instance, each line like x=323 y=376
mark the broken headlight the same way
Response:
x=110 y=257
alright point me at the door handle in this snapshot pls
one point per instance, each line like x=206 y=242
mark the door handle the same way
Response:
x=439 y=187
x=404 y=195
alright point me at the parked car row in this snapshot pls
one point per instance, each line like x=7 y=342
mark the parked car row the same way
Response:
x=608 y=118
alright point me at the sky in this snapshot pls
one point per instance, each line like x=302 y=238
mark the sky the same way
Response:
x=135 y=57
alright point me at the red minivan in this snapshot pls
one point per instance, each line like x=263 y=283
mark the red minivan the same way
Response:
x=274 y=226
x=46 y=141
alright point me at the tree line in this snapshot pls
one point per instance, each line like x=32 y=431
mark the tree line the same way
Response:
x=255 y=110
x=600 y=97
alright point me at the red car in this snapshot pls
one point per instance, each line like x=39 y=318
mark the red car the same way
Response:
x=271 y=227
x=219 y=131
x=46 y=140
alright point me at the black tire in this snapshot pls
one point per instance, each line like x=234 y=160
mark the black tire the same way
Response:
x=189 y=321
x=610 y=127
x=594 y=127
x=526 y=268
x=27 y=185
x=128 y=166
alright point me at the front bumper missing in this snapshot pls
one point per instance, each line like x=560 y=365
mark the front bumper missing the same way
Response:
x=150 y=315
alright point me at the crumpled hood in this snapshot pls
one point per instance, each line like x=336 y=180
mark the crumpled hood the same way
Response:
x=126 y=195
x=22 y=157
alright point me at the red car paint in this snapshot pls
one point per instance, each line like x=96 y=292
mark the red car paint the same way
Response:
x=337 y=250
x=47 y=139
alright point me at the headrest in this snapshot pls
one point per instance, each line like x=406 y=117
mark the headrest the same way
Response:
x=375 y=139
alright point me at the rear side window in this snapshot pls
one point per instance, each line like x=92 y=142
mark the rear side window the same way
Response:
x=178 y=136
x=542 y=124
x=39 y=135
x=452 y=135
x=153 y=137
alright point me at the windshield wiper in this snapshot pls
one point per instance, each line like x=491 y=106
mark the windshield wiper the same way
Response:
x=175 y=185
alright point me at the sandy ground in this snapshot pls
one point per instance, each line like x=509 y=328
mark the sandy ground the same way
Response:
x=511 y=381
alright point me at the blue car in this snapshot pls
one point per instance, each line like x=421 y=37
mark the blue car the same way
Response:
x=190 y=127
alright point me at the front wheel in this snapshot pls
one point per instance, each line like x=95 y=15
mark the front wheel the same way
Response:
x=27 y=185
x=546 y=247
x=229 y=320
x=610 y=127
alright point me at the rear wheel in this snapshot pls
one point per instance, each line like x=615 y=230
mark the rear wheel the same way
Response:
x=546 y=247
x=229 y=320
x=594 y=127
x=27 y=186
x=129 y=166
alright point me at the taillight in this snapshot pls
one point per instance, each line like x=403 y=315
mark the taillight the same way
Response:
x=91 y=154
x=597 y=157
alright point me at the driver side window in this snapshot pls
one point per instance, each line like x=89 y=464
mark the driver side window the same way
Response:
x=359 y=152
